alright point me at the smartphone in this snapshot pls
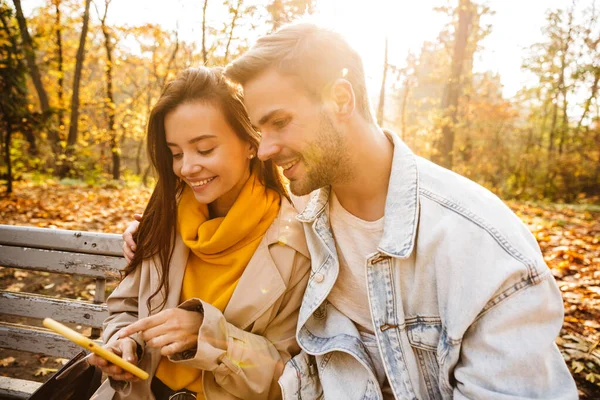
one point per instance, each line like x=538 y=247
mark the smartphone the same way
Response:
x=94 y=347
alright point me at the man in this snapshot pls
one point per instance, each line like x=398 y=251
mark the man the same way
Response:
x=424 y=284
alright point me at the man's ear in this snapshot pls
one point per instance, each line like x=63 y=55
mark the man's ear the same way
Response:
x=341 y=97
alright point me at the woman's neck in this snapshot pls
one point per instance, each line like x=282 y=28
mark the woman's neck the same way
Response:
x=221 y=206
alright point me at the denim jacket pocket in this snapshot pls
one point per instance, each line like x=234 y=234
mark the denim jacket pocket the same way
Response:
x=300 y=379
x=424 y=337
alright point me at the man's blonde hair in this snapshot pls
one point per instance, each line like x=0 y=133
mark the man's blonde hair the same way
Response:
x=314 y=55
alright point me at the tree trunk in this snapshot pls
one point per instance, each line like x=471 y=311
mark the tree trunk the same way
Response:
x=33 y=71
x=7 y=139
x=381 y=106
x=589 y=100
x=405 y=96
x=560 y=89
x=565 y=122
x=553 y=128
x=116 y=158
x=30 y=58
x=138 y=158
x=204 y=54
x=60 y=67
x=145 y=177
x=597 y=175
x=443 y=146
x=236 y=13
x=110 y=101
x=73 y=128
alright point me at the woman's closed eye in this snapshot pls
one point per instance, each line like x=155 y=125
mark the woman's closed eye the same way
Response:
x=205 y=152
x=177 y=156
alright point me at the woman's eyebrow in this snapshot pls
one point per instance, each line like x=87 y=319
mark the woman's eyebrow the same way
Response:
x=194 y=140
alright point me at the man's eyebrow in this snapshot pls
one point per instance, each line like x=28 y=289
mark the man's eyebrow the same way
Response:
x=268 y=116
x=194 y=140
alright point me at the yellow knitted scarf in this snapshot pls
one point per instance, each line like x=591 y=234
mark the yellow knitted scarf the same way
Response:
x=220 y=250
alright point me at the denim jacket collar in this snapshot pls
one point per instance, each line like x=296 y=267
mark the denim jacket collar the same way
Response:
x=401 y=207
x=319 y=199
x=402 y=203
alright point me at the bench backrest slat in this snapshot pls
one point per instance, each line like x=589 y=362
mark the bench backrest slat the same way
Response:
x=13 y=388
x=39 y=306
x=39 y=340
x=61 y=262
x=108 y=244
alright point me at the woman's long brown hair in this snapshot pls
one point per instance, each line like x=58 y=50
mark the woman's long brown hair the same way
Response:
x=157 y=231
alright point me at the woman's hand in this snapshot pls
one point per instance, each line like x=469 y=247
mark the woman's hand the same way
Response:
x=124 y=347
x=172 y=331
x=129 y=245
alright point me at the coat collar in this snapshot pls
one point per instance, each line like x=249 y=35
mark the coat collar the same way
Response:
x=401 y=207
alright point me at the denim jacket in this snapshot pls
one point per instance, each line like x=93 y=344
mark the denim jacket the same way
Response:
x=463 y=305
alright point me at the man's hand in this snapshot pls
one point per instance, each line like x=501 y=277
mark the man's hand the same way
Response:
x=129 y=245
x=172 y=331
x=124 y=347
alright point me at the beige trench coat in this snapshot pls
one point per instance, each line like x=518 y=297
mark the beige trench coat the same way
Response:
x=242 y=351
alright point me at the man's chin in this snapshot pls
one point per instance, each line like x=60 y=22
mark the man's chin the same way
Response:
x=302 y=187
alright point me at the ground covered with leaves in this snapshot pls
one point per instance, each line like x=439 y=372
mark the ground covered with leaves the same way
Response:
x=569 y=236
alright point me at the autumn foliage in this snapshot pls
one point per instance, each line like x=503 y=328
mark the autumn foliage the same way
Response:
x=76 y=92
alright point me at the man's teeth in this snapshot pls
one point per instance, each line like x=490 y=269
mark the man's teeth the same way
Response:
x=289 y=165
x=201 y=183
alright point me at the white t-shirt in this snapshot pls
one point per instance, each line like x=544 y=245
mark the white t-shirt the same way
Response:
x=355 y=240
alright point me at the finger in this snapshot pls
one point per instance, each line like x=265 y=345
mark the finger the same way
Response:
x=97 y=361
x=155 y=332
x=160 y=341
x=129 y=351
x=128 y=234
x=113 y=370
x=128 y=238
x=173 y=348
x=125 y=376
x=127 y=253
x=141 y=325
x=138 y=217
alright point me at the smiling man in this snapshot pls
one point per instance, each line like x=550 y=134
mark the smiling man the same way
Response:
x=424 y=284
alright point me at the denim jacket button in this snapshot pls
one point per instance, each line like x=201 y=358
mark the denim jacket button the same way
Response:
x=319 y=278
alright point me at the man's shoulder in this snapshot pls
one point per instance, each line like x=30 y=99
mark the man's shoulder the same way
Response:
x=468 y=207
x=460 y=195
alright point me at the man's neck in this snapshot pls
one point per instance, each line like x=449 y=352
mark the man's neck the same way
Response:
x=365 y=194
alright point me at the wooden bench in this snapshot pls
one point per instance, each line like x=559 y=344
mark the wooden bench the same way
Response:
x=97 y=255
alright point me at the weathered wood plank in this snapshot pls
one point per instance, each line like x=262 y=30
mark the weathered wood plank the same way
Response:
x=12 y=388
x=61 y=262
x=62 y=239
x=36 y=340
x=39 y=306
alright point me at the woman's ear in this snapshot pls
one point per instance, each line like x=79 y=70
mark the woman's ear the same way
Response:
x=341 y=96
x=251 y=151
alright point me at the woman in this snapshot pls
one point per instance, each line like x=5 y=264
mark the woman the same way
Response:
x=210 y=300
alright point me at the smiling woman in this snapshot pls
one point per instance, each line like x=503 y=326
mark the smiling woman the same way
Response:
x=186 y=310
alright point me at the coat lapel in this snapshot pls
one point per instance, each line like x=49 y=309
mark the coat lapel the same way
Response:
x=259 y=287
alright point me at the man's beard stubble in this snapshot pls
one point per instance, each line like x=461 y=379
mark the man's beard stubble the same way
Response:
x=327 y=160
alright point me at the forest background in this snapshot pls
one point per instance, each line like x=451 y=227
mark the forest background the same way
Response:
x=77 y=84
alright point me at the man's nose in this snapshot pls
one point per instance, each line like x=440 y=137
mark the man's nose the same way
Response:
x=269 y=146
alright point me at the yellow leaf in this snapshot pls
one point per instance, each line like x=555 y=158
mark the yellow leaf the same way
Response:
x=44 y=371
x=5 y=362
